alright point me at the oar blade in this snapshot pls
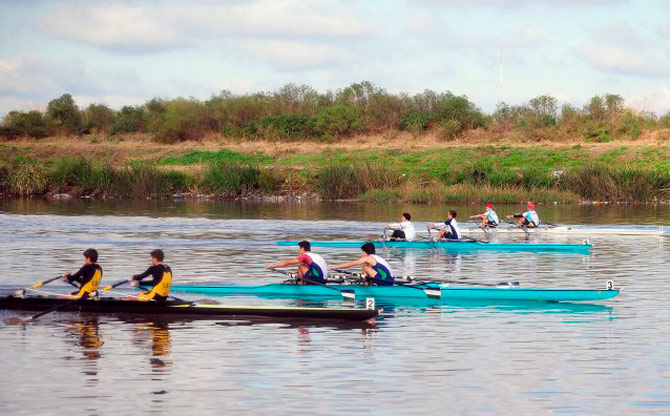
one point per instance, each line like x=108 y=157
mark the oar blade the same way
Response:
x=433 y=292
x=348 y=294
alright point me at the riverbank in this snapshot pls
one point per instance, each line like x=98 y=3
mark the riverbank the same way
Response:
x=392 y=168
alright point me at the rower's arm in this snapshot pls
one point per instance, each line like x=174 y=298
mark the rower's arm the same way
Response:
x=349 y=264
x=77 y=277
x=282 y=263
x=148 y=272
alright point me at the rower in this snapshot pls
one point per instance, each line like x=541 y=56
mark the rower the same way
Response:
x=489 y=217
x=377 y=271
x=161 y=278
x=88 y=276
x=450 y=229
x=310 y=265
x=403 y=230
x=528 y=219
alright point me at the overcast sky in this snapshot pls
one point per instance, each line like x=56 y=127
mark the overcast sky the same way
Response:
x=125 y=52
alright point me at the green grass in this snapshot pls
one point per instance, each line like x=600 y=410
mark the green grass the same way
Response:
x=197 y=157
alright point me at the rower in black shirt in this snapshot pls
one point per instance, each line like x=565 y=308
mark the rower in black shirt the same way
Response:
x=161 y=278
x=88 y=277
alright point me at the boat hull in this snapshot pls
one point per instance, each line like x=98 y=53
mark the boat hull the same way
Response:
x=173 y=308
x=449 y=293
x=565 y=230
x=454 y=246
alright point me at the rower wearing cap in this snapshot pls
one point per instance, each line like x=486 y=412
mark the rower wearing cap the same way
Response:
x=450 y=229
x=403 y=230
x=161 y=281
x=528 y=219
x=88 y=276
x=489 y=217
x=377 y=271
x=311 y=266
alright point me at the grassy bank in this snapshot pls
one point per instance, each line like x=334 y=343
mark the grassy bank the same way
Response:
x=404 y=169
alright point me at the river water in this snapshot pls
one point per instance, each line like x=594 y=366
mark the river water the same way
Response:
x=612 y=358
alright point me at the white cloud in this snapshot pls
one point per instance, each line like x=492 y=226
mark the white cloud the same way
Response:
x=132 y=27
x=516 y=3
x=620 y=60
x=297 y=56
x=28 y=82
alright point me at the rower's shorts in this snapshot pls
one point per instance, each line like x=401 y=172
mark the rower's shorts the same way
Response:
x=491 y=224
x=529 y=224
x=380 y=282
x=313 y=278
x=398 y=235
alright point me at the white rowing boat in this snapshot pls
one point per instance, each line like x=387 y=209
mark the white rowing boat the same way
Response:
x=574 y=230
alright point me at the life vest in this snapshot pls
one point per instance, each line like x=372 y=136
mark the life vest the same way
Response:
x=90 y=286
x=162 y=289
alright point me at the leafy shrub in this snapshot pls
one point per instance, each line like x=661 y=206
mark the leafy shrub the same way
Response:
x=230 y=179
x=65 y=114
x=129 y=120
x=338 y=120
x=416 y=122
x=31 y=123
x=26 y=180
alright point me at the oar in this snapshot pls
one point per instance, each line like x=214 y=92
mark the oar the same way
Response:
x=430 y=235
x=512 y=284
x=346 y=293
x=55 y=308
x=35 y=286
x=516 y=225
x=429 y=291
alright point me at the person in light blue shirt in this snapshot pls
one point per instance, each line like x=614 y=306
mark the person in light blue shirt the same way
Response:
x=528 y=219
x=489 y=217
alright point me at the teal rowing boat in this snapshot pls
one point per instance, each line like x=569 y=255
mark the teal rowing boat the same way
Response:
x=454 y=246
x=448 y=293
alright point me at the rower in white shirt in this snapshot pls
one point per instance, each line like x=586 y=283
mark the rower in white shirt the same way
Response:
x=403 y=230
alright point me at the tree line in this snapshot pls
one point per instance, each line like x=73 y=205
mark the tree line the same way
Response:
x=299 y=112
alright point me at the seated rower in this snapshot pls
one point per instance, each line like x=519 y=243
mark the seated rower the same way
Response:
x=528 y=219
x=450 y=229
x=403 y=230
x=377 y=271
x=161 y=281
x=88 y=276
x=489 y=217
x=311 y=266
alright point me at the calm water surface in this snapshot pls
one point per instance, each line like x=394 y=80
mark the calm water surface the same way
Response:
x=462 y=359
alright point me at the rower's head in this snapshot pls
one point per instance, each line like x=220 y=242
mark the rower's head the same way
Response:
x=489 y=207
x=91 y=256
x=531 y=206
x=368 y=248
x=304 y=246
x=452 y=213
x=406 y=216
x=157 y=257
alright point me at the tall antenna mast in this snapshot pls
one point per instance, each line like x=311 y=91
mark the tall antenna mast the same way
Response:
x=502 y=85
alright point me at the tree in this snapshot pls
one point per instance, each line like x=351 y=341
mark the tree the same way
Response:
x=99 y=118
x=65 y=114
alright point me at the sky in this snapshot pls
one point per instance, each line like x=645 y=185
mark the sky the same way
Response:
x=126 y=52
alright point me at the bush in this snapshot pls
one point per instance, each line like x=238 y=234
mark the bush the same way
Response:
x=26 y=180
x=338 y=120
x=450 y=129
x=338 y=182
x=129 y=120
x=230 y=179
x=416 y=122
x=31 y=123
x=99 y=118
x=285 y=127
x=68 y=172
x=182 y=120
x=65 y=114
